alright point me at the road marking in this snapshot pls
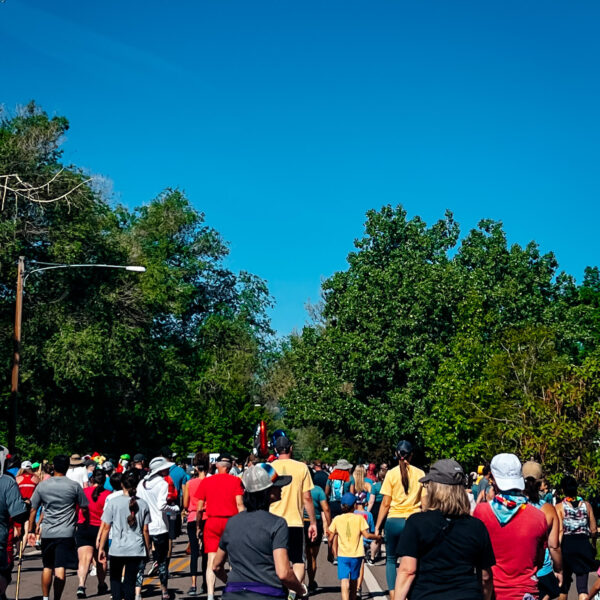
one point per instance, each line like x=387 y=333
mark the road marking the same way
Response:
x=180 y=562
x=372 y=584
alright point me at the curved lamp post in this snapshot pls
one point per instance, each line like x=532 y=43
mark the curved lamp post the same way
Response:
x=21 y=279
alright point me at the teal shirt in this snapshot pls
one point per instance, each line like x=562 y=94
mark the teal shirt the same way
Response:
x=318 y=495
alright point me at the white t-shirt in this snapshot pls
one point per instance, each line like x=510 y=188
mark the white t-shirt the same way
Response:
x=154 y=492
x=78 y=475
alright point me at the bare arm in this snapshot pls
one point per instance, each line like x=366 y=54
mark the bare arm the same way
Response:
x=383 y=512
x=592 y=520
x=199 y=513
x=239 y=500
x=285 y=573
x=102 y=537
x=309 y=507
x=405 y=577
x=371 y=503
x=186 y=496
x=553 y=535
x=219 y=565
x=326 y=514
x=559 y=512
x=487 y=583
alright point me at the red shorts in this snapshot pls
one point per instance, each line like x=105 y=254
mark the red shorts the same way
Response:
x=213 y=530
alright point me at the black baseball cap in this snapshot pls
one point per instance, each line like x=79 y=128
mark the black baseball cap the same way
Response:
x=446 y=471
x=404 y=448
x=283 y=443
x=224 y=457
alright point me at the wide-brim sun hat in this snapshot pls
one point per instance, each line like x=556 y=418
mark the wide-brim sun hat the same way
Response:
x=158 y=464
x=75 y=460
x=263 y=476
x=343 y=465
x=507 y=472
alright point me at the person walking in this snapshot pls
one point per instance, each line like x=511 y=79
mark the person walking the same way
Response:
x=577 y=525
x=340 y=482
x=88 y=533
x=153 y=489
x=446 y=553
x=518 y=531
x=127 y=518
x=295 y=498
x=77 y=471
x=220 y=498
x=319 y=476
x=59 y=498
x=190 y=505
x=373 y=507
x=255 y=542
x=323 y=518
x=551 y=574
x=401 y=491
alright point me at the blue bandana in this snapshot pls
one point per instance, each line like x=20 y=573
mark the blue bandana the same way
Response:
x=505 y=506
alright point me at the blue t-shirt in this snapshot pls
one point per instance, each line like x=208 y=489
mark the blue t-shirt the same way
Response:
x=179 y=477
x=318 y=495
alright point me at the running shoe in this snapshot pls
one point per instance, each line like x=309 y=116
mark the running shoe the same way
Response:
x=102 y=589
x=81 y=592
x=370 y=561
x=153 y=569
x=93 y=571
x=192 y=591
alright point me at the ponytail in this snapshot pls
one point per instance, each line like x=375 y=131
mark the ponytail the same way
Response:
x=404 y=473
x=99 y=477
x=133 y=510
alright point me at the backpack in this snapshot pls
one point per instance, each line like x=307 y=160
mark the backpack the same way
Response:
x=337 y=490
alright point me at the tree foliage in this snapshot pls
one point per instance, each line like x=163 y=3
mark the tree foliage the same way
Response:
x=112 y=359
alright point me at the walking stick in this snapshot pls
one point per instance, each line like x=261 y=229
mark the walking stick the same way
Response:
x=19 y=567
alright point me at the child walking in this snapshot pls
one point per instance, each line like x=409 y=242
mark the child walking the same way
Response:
x=346 y=534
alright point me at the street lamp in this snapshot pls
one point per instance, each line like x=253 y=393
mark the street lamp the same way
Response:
x=21 y=279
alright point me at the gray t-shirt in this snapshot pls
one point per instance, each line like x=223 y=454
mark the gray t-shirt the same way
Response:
x=59 y=497
x=125 y=540
x=11 y=505
x=249 y=539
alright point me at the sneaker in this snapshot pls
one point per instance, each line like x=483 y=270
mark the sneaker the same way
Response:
x=102 y=589
x=334 y=563
x=93 y=571
x=370 y=561
x=138 y=597
x=312 y=586
x=359 y=593
x=153 y=569
x=81 y=592
x=192 y=591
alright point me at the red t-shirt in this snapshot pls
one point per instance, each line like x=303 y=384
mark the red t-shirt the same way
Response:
x=218 y=493
x=96 y=508
x=515 y=546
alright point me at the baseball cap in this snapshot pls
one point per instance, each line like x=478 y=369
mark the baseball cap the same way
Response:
x=224 y=457
x=446 y=471
x=532 y=469
x=283 y=443
x=125 y=457
x=35 y=465
x=139 y=458
x=507 y=472
x=26 y=464
x=404 y=448
x=262 y=476
x=349 y=499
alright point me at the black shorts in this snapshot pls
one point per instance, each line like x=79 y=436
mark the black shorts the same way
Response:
x=319 y=537
x=86 y=535
x=59 y=552
x=296 y=544
x=548 y=586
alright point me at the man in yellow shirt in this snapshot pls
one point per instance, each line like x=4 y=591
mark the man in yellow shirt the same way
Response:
x=346 y=534
x=295 y=498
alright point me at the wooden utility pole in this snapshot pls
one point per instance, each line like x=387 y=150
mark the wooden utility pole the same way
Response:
x=14 y=391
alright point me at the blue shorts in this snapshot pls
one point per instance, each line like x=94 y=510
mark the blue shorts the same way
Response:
x=349 y=568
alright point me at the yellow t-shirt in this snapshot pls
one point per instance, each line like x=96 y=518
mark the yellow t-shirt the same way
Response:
x=291 y=505
x=349 y=528
x=403 y=504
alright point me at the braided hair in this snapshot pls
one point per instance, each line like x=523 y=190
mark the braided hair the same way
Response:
x=129 y=483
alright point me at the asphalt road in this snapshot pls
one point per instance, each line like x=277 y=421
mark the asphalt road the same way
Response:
x=373 y=587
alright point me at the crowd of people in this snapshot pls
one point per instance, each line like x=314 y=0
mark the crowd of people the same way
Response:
x=258 y=527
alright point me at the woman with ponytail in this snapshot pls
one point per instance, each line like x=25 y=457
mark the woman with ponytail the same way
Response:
x=127 y=516
x=88 y=533
x=401 y=491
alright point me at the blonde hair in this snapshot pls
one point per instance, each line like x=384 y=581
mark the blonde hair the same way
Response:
x=448 y=499
x=359 y=479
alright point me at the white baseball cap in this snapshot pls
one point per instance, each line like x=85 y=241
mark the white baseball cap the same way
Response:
x=507 y=472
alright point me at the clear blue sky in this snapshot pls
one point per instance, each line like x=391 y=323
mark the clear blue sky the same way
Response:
x=285 y=121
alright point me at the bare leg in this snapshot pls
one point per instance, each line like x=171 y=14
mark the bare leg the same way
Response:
x=85 y=554
x=46 y=582
x=345 y=589
x=210 y=575
x=361 y=575
x=100 y=568
x=299 y=570
x=311 y=563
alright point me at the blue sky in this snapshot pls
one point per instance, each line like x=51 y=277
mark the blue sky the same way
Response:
x=286 y=121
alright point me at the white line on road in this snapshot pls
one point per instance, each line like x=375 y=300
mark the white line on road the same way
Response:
x=372 y=585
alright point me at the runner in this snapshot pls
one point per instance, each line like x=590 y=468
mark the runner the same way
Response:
x=445 y=552
x=340 y=482
x=577 y=526
x=127 y=518
x=220 y=497
x=293 y=498
x=518 y=531
x=373 y=507
x=60 y=497
x=313 y=546
x=255 y=542
x=153 y=489
x=548 y=583
x=87 y=533
x=401 y=491
x=346 y=534
x=190 y=504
